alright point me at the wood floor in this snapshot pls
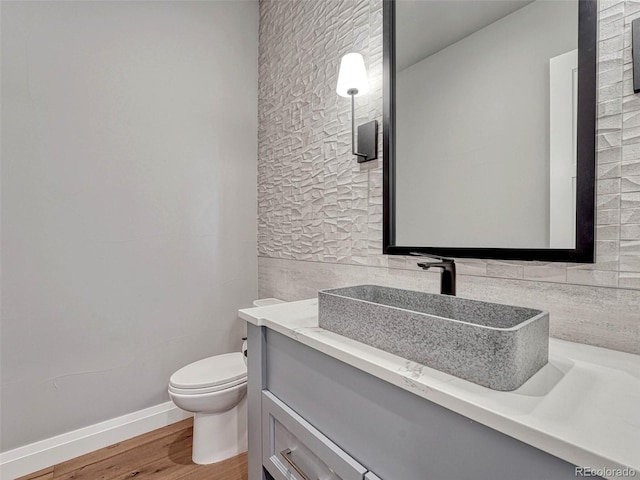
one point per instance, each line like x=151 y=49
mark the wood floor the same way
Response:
x=163 y=454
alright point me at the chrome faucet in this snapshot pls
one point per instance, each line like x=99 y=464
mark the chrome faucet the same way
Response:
x=448 y=266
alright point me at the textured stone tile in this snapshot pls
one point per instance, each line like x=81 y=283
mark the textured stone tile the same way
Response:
x=606 y=247
x=627 y=68
x=608 y=170
x=612 y=13
x=631 y=184
x=629 y=120
x=609 y=108
x=611 y=29
x=631 y=168
x=604 y=5
x=613 y=123
x=630 y=103
x=606 y=141
x=630 y=215
x=626 y=37
x=613 y=91
x=632 y=8
x=630 y=231
x=550 y=272
x=505 y=270
x=631 y=136
x=608 y=201
x=627 y=85
x=471 y=266
x=599 y=316
x=604 y=262
x=608 y=186
x=608 y=63
x=302 y=124
x=608 y=232
x=608 y=217
x=399 y=261
x=630 y=247
x=629 y=280
x=609 y=155
x=627 y=58
x=629 y=263
x=610 y=46
x=630 y=200
x=592 y=277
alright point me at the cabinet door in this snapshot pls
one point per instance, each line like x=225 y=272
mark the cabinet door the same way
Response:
x=292 y=448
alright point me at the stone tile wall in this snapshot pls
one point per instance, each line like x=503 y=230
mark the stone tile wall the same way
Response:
x=317 y=204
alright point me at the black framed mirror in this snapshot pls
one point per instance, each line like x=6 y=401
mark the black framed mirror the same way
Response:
x=518 y=187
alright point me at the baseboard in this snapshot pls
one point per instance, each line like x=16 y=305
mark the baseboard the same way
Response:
x=45 y=453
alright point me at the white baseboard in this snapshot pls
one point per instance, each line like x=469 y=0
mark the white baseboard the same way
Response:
x=45 y=453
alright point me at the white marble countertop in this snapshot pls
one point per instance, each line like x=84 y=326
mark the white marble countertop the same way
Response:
x=583 y=406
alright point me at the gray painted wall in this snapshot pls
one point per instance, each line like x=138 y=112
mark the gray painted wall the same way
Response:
x=320 y=212
x=128 y=202
x=473 y=134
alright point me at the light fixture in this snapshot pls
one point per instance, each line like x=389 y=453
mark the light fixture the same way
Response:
x=353 y=82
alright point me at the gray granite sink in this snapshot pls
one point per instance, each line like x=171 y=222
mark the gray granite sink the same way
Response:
x=497 y=346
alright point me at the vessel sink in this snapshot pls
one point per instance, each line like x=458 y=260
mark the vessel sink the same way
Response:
x=494 y=345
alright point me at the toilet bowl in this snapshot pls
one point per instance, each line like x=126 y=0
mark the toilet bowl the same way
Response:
x=214 y=389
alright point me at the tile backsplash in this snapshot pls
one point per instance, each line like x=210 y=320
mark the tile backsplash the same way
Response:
x=317 y=205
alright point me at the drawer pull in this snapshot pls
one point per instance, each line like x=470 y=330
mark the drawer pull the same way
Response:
x=285 y=454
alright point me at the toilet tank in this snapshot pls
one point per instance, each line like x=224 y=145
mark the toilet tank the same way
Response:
x=263 y=302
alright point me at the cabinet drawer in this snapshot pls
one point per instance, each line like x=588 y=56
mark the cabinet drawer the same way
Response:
x=293 y=449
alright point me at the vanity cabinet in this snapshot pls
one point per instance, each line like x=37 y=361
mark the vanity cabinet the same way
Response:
x=358 y=426
x=291 y=445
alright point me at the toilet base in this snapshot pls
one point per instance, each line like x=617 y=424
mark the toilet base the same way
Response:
x=219 y=436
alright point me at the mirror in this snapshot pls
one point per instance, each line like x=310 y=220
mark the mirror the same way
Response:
x=489 y=128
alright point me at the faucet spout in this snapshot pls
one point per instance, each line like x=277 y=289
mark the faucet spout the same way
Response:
x=448 y=276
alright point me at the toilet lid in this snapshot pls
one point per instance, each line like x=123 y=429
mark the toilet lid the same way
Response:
x=211 y=371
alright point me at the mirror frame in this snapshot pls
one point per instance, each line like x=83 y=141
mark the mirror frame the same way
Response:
x=586 y=152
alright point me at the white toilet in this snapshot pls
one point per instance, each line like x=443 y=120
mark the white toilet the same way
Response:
x=215 y=390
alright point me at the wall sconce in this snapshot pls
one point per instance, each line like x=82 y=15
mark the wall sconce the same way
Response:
x=352 y=82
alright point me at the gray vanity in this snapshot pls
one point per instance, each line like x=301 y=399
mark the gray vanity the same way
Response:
x=321 y=410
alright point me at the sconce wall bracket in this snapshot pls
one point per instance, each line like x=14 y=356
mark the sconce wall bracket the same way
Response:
x=367 y=141
x=367 y=148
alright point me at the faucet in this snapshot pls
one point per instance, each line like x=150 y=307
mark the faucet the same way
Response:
x=448 y=266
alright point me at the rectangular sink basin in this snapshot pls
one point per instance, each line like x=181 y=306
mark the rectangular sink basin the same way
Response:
x=497 y=346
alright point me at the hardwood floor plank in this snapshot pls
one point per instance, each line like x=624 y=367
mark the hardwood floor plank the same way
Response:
x=145 y=458
x=232 y=469
x=141 y=445
x=164 y=454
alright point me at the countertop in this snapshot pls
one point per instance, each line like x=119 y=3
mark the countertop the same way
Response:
x=583 y=406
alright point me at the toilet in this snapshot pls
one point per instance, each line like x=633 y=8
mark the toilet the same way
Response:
x=214 y=389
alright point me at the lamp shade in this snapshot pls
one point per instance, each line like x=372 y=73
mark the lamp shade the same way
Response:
x=352 y=75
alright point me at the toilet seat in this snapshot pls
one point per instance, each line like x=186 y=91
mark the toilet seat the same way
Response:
x=210 y=374
x=200 y=391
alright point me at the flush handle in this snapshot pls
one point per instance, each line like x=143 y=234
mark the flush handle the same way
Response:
x=286 y=454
